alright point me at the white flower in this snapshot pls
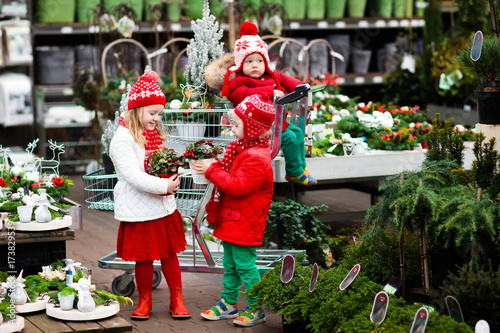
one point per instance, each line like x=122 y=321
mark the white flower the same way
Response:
x=16 y=170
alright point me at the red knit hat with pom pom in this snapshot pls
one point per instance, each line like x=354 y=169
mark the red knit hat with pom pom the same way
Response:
x=249 y=43
x=146 y=91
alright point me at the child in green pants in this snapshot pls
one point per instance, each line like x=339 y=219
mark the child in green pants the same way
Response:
x=240 y=203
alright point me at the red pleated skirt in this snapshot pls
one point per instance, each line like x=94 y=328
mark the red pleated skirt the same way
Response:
x=151 y=240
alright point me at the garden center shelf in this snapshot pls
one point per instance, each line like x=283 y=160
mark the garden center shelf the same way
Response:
x=185 y=27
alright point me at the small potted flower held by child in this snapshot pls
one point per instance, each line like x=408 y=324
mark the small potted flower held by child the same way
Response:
x=165 y=163
x=202 y=150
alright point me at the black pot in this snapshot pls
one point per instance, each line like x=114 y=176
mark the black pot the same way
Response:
x=488 y=106
x=109 y=167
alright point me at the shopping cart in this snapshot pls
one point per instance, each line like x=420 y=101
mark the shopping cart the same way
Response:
x=192 y=198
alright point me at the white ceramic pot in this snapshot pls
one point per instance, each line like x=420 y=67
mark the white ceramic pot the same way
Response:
x=193 y=131
x=199 y=178
x=66 y=302
x=25 y=213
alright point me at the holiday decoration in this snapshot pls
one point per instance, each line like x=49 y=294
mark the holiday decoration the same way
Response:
x=203 y=49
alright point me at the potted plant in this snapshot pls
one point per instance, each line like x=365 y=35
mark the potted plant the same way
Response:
x=165 y=163
x=202 y=150
x=487 y=67
x=301 y=229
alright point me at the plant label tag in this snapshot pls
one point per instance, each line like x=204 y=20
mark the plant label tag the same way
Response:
x=350 y=277
x=420 y=321
x=287 y=268
x=314 y=277
x=393 y=285
x=379 y=308
x=477 y=45
x=482 y=327
x=454 y=309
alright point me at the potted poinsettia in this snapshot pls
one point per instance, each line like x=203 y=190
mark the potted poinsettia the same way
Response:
x=202 y=150
x=164 y=163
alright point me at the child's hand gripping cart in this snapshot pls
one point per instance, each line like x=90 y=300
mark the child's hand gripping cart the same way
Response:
x=299 y=100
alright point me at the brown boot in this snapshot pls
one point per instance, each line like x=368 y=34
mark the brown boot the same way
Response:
x=177 y=307
x=144 y=307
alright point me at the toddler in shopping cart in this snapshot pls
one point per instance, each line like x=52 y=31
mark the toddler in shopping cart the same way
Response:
x=251 y=74
x=240 y=203
x=151 y=227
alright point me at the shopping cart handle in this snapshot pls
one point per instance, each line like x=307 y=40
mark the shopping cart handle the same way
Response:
x=300 y=91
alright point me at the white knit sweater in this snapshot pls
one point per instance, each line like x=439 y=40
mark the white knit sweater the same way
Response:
x=137 y=195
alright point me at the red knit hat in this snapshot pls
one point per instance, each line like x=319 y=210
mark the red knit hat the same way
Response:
x=257 y=115
x=249 y=43
x=146 y=91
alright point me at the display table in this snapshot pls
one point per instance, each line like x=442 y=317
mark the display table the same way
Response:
x=34 y=249
x=374 y=165
x=40 y=322
x=357 y=172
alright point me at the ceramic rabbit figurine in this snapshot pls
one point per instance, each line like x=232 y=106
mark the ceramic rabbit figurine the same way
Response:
x=85 y=301
x=42 y=213
x=18 y=295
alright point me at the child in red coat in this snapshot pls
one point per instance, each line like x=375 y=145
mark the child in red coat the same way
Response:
x=244 y=188
x=253 y=75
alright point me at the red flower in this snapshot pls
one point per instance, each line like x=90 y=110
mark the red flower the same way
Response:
x=58 y=181
x=35 y=185
x=2 y=182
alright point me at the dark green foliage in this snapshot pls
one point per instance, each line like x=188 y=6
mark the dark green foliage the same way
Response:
x=469 y=225
x=328 y=309
x=488 y=65
x=377 y=251
x=478 y=292
x=443 y=143
x=299 y=223
x=484 y=167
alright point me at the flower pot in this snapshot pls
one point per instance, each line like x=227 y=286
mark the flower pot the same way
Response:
x=174 y=10
x=335 y=8
x=66 y=302
x=199 y=178
x=109 y=167
x=194 y=9
x=316 y=9
x=361 y=60
x=55 y=11
x=84 y=10
x=25 y=213
x=193 y=131
x=341 y=43
x=409 y=8
x=356 y=8
x=383 y=8
x=295 y=9
x=399 y=8
x=420 y=6
x=488 y=107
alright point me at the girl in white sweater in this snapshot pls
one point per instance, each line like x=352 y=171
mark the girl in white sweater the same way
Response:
x=151 y=227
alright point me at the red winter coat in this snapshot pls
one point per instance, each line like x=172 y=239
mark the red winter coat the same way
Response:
x=242 y=86
x=247 y=194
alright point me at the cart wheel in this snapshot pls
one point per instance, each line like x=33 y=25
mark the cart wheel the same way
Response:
x=156 y=279
x=119 y=289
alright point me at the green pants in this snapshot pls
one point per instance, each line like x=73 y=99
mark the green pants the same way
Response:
x=239 y=263
x=292 y=142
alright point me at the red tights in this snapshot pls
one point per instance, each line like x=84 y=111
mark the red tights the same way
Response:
x=170 y=268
